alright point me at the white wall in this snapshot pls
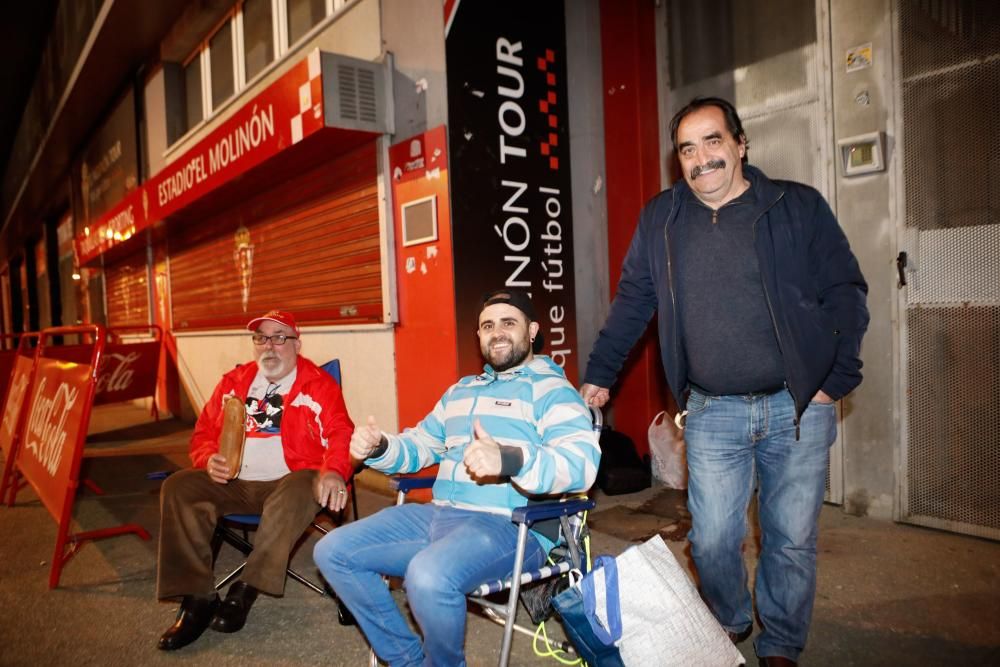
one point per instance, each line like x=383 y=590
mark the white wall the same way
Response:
x=366 y=354
x=586 y=140
x=413 y=30
x=156 y=124
x=864 y=211
x=356 y=32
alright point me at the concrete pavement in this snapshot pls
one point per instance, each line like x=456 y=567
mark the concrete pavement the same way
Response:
x=888 y=594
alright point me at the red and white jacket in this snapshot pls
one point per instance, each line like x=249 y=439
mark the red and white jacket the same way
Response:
x=315 y=428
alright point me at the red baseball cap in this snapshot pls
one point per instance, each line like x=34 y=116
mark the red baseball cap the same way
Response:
x=279 y=316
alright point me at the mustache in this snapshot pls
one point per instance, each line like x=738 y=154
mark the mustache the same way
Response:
x=711 y=164
x=500 y=339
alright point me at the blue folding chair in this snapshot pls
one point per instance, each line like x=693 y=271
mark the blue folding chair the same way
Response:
x=225 y=532
x=569 y=554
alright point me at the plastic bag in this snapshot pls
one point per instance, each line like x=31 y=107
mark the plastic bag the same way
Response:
x=641 y=609
x=666 y=447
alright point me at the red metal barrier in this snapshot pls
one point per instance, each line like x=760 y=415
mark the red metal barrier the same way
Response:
x=127 y=370
x=7 y=357
x=14 y=410
x=53 y=435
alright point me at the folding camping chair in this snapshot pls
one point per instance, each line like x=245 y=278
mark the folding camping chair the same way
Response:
x=230 y=523
x=569 y=554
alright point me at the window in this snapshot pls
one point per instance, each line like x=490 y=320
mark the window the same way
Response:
x=252 y=36
x=192 y=93
x=220 y=49
x=258 y=36
x=302 y=15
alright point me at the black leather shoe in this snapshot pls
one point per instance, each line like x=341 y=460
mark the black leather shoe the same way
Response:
x=192 y=619
x=232 y=613
x=740 y=637
x=776 y=661
x=344 y=615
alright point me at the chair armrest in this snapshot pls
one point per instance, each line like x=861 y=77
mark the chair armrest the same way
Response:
x=407 y=484
x=597 y=419
x=551 y=510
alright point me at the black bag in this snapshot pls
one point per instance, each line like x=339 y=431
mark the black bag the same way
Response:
x=621 y=469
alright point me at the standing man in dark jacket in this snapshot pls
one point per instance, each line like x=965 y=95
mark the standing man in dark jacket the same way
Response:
x=761 y=309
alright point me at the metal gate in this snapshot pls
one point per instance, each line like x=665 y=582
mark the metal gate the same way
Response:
x=771 y=59
x=948 y=112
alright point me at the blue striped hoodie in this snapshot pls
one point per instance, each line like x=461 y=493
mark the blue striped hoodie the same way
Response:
x=531 y=407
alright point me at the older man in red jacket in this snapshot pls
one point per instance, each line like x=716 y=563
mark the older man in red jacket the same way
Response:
x=295 y=460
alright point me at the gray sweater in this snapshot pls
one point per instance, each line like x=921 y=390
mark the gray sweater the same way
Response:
x=725 y=323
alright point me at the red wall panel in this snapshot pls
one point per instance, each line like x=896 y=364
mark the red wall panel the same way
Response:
x=632 y=159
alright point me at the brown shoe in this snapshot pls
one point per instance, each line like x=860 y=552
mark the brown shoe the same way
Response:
x=776 y=661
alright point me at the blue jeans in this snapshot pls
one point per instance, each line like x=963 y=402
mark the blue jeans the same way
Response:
x=442 y=553
x=732 y=443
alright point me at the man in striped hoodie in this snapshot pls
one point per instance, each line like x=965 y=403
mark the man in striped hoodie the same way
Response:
x=517 y=430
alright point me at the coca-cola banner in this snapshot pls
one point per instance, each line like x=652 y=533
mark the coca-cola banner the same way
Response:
x=16 y=391
x=127 y=370
x=508 y=137
x=51 y=433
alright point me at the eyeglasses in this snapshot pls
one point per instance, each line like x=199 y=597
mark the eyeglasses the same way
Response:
x=276 y=339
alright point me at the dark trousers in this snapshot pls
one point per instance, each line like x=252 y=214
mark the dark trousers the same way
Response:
x=190 y=507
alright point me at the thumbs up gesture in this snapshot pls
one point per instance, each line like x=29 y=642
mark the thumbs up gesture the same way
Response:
x=365 y=440
x=482 y=456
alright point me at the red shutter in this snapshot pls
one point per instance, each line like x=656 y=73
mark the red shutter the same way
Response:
x=310 y=246
x=127 y=287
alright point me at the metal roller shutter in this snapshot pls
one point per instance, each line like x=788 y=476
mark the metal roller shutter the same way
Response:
x=127 y=284
x=309 y=245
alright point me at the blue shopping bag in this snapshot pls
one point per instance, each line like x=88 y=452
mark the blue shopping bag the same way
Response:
x=591 y=614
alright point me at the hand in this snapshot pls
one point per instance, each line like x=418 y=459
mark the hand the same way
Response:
x=217 y=469
x=365 y=440
x=595 y=396
x=482 y=456
x=331 y=491
x=821 y=397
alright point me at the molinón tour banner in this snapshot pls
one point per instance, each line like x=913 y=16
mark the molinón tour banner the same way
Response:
x=511 y=205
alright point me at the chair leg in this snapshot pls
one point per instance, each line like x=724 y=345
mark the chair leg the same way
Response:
x=216 y=544
x=243 y=544
x=305 y=582
x=571 y=542
x=515 y=589
x=229 y=577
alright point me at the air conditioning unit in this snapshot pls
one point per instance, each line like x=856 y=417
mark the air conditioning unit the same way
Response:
x=357 y=93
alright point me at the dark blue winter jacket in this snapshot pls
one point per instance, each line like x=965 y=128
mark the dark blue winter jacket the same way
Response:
x=813 y=285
